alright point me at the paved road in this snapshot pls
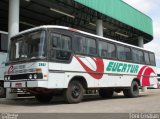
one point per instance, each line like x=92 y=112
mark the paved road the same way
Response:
x=147 y=102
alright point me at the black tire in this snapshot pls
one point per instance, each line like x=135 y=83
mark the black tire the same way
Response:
x=133 y=91
x=2 y=91
x=125 y=93
x=106 y=93
x=74 y=93
x=44 y=98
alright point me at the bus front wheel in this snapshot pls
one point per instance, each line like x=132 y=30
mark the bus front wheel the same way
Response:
x=74 y=93
x=133 y=91
x=106 y=93
x=44 y=98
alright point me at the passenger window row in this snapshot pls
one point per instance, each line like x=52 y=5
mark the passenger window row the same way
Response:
x=86 y=45
x=110 y=50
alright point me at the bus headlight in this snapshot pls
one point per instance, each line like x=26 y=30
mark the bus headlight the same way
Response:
x=8 y=77
x=5 y=78
x=35 y=76
x=30 y=76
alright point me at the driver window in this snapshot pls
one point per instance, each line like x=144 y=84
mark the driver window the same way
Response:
x=34 y=44
x=61 y=46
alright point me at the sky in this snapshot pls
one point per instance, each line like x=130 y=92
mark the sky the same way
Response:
x=152 y=9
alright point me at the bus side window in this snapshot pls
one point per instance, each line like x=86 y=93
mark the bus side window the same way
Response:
x=106 y=50
x=146 y=57
x=124 y=53
x=61 y=45
x=121 y=53
x=91 y=46
x=138 y=56
x=141 y=57
x=128 y=54
x=152 y=59
x=66 y=43
x=65 y=52
x=103 y=46
x=56 y=40
x=134 y=55
x=79 y=44
x=84 y=45
x=111 y=51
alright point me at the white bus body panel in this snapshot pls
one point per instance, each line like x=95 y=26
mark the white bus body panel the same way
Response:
x=60 y=74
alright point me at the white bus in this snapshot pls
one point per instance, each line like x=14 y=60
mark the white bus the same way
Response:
x=3 y=56
x=51 y=60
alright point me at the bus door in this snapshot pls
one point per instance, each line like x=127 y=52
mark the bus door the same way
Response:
x=60 y=55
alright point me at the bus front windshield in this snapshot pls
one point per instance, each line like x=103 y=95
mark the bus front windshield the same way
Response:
x=28 y=46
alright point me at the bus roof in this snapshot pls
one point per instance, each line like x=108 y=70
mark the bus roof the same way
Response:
x=76 y=30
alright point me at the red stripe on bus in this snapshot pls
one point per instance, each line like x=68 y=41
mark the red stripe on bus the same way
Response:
x=140 y=72
x=146 y=77
x=99 y=64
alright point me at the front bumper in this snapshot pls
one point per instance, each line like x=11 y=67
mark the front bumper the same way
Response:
x=26 y=84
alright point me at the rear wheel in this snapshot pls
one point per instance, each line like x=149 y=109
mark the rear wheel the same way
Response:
x=133 y=91
x=74 y=93
x=106 y=93
x=44 y=98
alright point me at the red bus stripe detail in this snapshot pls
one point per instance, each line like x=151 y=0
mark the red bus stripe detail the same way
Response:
x=99 y=64
x=140 y=72
x=146 y=77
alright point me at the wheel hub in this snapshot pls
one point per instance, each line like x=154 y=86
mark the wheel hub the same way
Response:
x=75 y=91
